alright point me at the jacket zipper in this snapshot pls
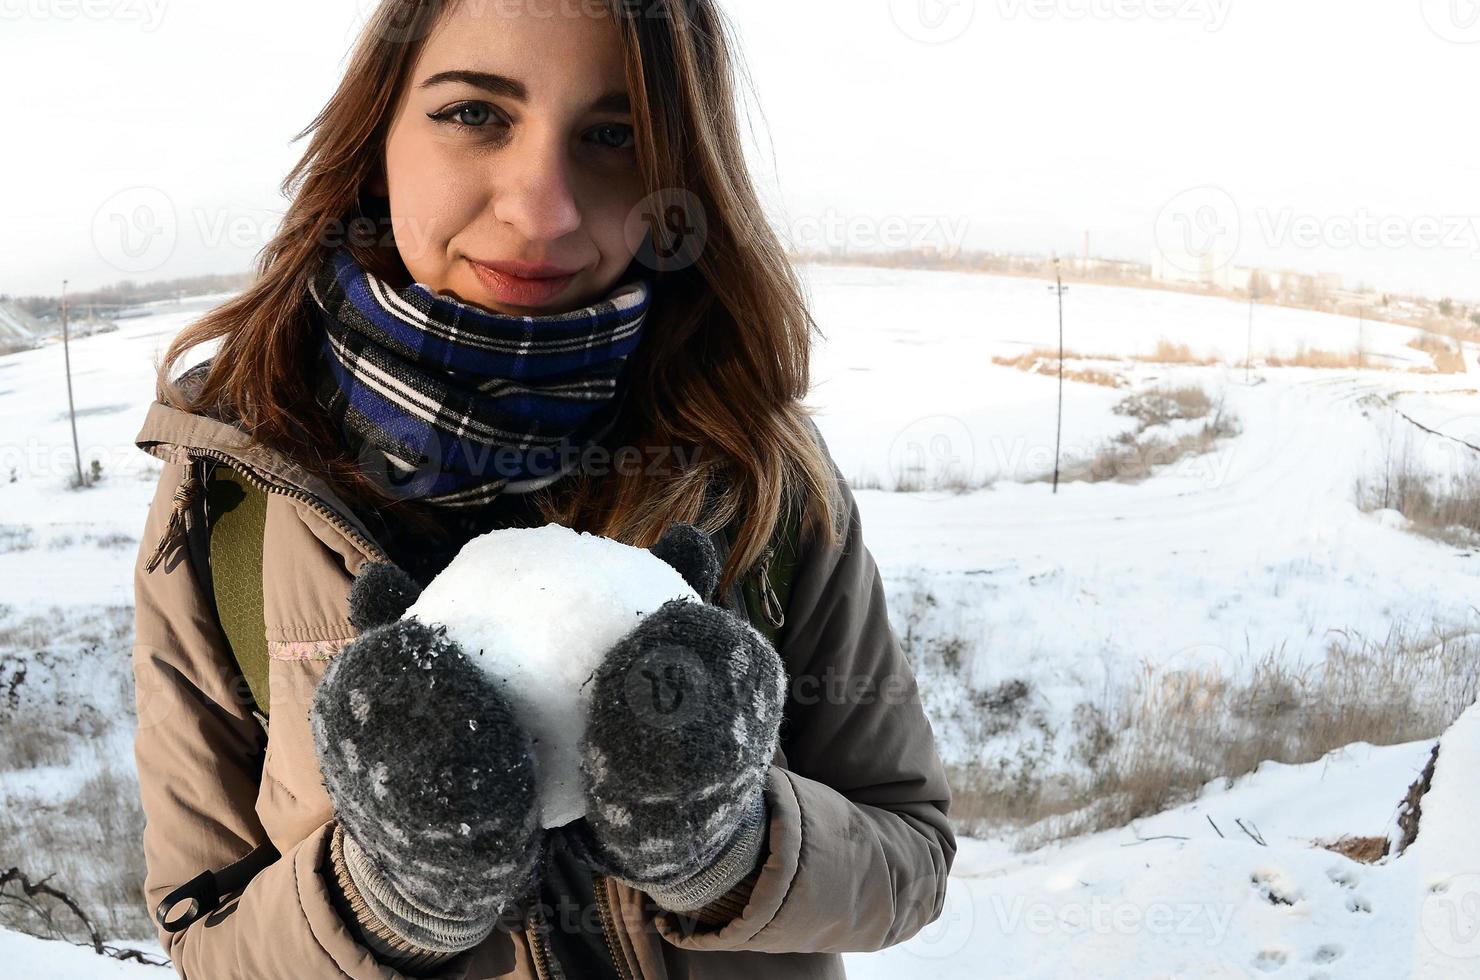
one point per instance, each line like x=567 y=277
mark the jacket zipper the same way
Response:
x=608 y=928
x=540 y=953
x=182 y=502
x=541 y=950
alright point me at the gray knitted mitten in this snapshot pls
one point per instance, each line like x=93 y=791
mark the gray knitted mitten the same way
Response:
x=685 y=718
x=430 y=775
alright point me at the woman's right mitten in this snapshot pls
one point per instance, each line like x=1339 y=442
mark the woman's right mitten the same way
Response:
x=431 y=778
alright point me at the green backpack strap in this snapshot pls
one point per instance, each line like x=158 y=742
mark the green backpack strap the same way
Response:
x=767 y=589
x=236 y=515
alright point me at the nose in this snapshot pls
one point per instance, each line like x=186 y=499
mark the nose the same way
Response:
x=533 y=190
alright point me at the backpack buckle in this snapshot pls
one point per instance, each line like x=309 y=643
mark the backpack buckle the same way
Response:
x=205 y=890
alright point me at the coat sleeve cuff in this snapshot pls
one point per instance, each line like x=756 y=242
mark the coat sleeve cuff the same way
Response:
x=736 y=864
x=399 y=934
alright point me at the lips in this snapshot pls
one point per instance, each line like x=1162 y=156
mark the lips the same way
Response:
x=521 y=284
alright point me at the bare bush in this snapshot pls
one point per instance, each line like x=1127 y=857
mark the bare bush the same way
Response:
x=1441 y=506
x=91 y=839
x=1159 y=406
x=1448 y=355
x=1174 y=732
x=1134 y=456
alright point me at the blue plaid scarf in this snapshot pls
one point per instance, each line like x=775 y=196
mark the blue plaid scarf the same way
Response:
x=455 y=404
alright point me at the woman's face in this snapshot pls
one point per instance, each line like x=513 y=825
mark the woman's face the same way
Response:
x=510 y=159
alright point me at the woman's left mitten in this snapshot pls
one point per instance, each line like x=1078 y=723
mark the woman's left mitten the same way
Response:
x=685 y=718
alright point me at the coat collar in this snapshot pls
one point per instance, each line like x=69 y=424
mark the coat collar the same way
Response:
x=181 y=437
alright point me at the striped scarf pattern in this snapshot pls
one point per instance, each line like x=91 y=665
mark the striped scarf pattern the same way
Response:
x=456 y=403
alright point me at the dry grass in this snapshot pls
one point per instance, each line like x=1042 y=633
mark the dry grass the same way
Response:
x=1444 y=507
x=30 y=746
x=1159 y=406
x=1167 y=352
x=16 y=537
x=91 y=842
x=905 y=481
x=1315 y=357
x=1367 y=850
x=1133 y=456
x=66 y=700
x=1448 y=354
x=1160 y=744
x=1045 y=361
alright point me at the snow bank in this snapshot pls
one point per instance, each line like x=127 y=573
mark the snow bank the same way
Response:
x=1446 y=858
x=27 y=956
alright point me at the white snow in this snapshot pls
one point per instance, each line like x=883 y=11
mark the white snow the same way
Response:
x=30 y=957
x=1255 y=547
x=538 y=609
x=1170 y=897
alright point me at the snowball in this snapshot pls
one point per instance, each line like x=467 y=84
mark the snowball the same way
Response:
x=538 y=609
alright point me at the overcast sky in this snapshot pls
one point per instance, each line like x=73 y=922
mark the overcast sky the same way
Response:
x=1324 y=135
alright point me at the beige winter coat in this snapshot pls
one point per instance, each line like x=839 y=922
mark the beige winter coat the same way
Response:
x=859 y=843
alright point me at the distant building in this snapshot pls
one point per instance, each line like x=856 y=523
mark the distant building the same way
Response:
x=1213 y=268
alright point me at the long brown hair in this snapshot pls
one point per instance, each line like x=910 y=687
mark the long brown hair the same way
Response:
x=724 y=361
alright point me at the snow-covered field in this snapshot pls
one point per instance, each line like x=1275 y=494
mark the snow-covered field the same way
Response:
x=1217 y=560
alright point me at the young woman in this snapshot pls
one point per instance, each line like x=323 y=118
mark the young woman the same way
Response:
x=523 y=278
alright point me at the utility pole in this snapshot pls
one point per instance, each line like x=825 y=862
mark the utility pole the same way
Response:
x=1249 y=343
x=1361 y=337
x=1059 y=289
x=71 y=409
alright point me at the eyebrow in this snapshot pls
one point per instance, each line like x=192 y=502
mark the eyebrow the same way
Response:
x=514 y=89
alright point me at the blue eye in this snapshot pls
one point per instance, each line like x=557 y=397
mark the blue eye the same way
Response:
x=465 y=115
x=622 y=132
